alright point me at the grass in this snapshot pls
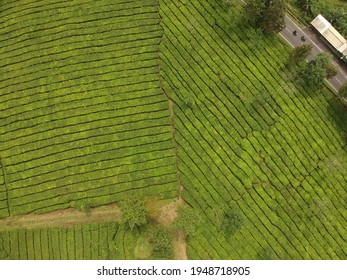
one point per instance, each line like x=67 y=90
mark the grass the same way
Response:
x=86 y=121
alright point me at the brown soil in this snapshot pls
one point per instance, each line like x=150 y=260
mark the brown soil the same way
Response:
x=168 y=213
x=180 y=247
x=62 y=218
x=70 y=217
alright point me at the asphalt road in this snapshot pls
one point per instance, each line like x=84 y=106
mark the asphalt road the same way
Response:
x=318 y=46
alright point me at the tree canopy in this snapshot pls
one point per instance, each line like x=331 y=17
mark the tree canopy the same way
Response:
x=299 y=54
x=314 y=73
x=134 y=212
x=267 y=14
x=232 y=221
x=343 y=90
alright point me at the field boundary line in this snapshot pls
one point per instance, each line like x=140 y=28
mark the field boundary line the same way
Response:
x=171 y=104
x=6 y=186
x=65 y=218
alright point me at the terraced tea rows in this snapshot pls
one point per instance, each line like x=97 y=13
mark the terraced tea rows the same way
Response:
x=83 y=119
x=88 y=242
x=250 y=140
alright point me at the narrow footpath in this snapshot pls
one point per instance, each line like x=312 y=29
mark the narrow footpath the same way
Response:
x=62 y=218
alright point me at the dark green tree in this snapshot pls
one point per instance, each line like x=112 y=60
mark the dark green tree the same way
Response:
x=343 y=90
x=188 y=220
x=254 y=10
x=323 y=59
x=309 y=7
x=316 y=70
x=272 y=18
x=267 y=14
x=313 y=74
x=299 y=54
x=134 y=212
x=232 y=221
x=331 y=71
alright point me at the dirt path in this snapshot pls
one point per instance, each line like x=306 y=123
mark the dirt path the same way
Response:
x=71 y=217
x=62 y=218
x=168 y=213
x=180 y=247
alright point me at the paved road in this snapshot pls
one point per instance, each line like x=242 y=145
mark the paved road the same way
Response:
x=318 y=47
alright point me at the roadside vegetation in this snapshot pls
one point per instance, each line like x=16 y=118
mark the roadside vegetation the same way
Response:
x=335 y=11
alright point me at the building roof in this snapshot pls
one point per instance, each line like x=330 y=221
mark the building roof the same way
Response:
x=325 y=28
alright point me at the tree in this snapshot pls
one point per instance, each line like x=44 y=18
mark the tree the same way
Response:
x=343 y=90
x=272 y=18
x=187 y=220
x=254 y=10
x=134 y=212
x=299 y=54
x=232 y=221
x=331 y=71
x=267 y=14
x=316 y=70
x=307 y=6
x=323 y=59
x=313 y=74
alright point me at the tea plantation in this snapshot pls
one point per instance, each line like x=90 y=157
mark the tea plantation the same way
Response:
x=102 y=101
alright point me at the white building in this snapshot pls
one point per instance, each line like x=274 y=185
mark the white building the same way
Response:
x=330 y=34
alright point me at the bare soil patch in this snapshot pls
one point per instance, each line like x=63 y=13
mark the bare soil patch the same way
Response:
x=180 y=246
x=167 y=214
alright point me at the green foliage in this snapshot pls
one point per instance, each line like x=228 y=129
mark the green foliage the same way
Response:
x=314 y=73
x=232 y=222
x=272 y=19
x=299 y=54
x=331 y=70
x=84 y=118
x=334 y=11
x=309 y=7
x=188 y=220
x=161 y=241
x=343 y=90
x=266 y=254
x=81 y=206
x=134 y=213
x=323 y=59
x=269 y=15
x=254 y=10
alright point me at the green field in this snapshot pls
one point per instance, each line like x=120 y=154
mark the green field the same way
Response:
x=83 y=119
x=86 y=120
x=252 y=139
x=87 y=242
